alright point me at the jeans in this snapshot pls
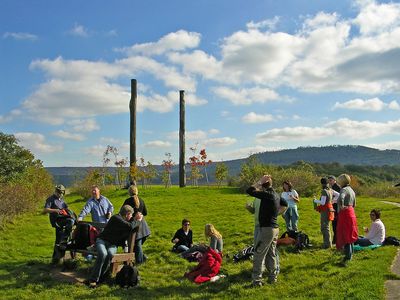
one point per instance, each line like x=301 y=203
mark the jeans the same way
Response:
x=180 y=248
x=363 y=242
x=291 y=218
x=139 y=256
x=105 y=252
x=265 y=253
x=348 y=251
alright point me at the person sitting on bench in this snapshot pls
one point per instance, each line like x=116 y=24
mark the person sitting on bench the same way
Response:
x=114 y=234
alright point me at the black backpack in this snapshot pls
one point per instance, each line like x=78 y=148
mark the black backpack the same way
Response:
x=81 y=236
x=302 y=241
x=246 y=253
x=391 y=240
x=128 y=276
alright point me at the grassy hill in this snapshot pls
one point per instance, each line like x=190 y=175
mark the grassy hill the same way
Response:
x=314 y=273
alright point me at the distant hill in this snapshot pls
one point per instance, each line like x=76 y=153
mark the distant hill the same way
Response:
x=344 y=155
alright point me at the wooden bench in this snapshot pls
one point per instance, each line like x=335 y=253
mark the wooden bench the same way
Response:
x=119 y=258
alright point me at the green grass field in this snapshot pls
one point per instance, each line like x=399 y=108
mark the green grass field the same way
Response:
x=26 y=248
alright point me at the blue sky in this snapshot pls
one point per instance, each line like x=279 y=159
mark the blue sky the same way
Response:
x=257 y=75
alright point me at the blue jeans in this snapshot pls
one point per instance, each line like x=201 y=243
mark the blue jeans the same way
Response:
x=363 y=242
x=139 y=256
x=105 y=252
x=348 y=251
x=181 y=248
x=291 y=218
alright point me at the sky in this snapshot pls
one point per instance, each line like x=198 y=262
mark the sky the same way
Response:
x=258 y=76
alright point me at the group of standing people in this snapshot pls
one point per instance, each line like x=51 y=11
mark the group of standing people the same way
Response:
x=336 y=204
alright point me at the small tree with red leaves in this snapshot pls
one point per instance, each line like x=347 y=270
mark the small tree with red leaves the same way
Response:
x=167 y=164
x=204 y=162
x=194 y=167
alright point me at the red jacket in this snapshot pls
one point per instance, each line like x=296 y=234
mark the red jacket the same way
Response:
x=346 y=230
x=208 y=267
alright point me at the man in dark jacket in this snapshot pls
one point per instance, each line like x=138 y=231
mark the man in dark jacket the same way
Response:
x=114 y=234
x=59 y=219
x=265 y=244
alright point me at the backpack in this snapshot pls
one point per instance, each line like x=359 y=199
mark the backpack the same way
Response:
x=391 y=240
x=246 y=253
x=128 y=276
x=81 y=236
x=302 y=241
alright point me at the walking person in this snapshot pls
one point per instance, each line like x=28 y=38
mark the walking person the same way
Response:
x=138 y=205
x=346 y=231
x=265 y=244
x=292 y=198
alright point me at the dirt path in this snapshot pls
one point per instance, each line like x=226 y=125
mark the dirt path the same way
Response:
x=392 y=287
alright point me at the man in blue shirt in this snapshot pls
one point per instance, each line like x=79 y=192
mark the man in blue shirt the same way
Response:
x=98 y=206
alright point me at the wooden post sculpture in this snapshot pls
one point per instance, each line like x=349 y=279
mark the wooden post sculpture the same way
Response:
x=182 y=175
x=132 y=108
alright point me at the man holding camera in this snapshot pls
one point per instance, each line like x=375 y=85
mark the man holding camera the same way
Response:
x=265 y=243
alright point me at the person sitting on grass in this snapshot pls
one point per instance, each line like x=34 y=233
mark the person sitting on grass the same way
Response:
x=114 y=234
x=183 y=238
x=215 y=237
x=376 y=233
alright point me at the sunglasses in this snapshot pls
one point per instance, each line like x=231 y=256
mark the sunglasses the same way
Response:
x=187 y=224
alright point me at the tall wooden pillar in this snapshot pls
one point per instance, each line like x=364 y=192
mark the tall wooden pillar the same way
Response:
x=132 y=108
x=182 y=174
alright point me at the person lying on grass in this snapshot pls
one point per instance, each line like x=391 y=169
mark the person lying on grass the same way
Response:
x=114 y=234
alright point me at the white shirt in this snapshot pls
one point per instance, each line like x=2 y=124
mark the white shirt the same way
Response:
x=290 y=201
x=376 y=233
x=322 y=201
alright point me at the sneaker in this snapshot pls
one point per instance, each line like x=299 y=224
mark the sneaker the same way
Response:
x=257 y=284
x=272 y=280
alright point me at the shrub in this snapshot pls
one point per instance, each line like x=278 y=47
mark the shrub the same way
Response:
x=83 y=187
x=379 y=190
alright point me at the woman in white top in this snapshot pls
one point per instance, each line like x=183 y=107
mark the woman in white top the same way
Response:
x=291 y=215
x=376 y=233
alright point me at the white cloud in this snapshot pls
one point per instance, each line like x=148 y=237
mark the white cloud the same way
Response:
x=342 y=128
x=96 y=151
x=246 y=96
x=174 y=41
x=69 y=135
x=240 y=153
x=270 y=24
x=157 y=144
x=394 y=105
x=87 y=125
x=79 y=30
x=386 y=146
x=213 y=131
x=220 y=142
x=195 y=135
x=20 y=36
x=252 y=117
x=293 y=133
x=36 y=142
x=374 y=104
x=376 y=18
x=10 y=116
